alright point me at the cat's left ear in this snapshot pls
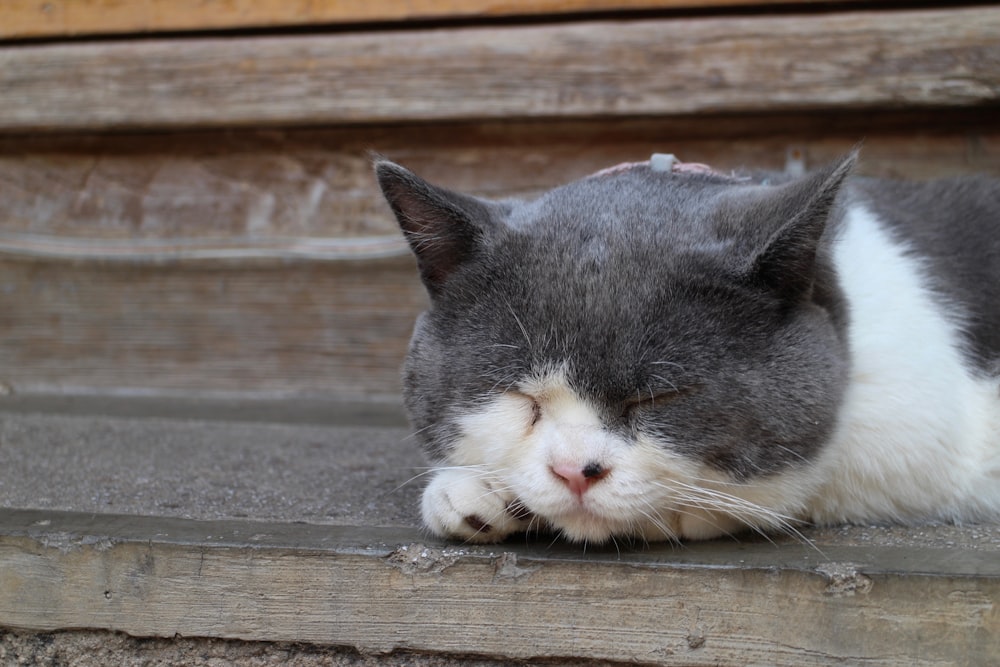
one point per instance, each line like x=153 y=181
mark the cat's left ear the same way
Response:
x=802 y=211
x=444 y=228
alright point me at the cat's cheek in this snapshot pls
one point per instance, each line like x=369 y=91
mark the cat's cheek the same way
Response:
x=493 y=434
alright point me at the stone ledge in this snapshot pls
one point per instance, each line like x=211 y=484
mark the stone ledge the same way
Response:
x=389 y=589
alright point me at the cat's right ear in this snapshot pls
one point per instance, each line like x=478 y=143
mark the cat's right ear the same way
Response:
x=442 y=227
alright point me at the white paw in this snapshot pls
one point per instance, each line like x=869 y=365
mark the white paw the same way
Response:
x=462 y=503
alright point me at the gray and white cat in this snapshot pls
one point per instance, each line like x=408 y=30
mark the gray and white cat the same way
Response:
x=659 y=354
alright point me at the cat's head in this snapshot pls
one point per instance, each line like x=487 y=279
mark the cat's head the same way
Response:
x=624 y=352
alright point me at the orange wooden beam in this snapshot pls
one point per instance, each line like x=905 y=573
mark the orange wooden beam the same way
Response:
x=20 y=19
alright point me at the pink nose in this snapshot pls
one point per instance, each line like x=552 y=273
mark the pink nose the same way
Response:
x=579 y=479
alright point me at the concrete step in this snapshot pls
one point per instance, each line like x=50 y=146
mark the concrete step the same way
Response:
x=288 y=461
x=220 y=522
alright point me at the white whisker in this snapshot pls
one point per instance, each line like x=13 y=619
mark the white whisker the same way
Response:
x=750 y=514
x=520 y=324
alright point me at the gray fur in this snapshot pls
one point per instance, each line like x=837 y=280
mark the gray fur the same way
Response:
x=715 y=296
x=952 y=225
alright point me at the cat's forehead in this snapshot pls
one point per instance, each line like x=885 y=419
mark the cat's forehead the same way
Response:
x=605 y=262
x=617 y=187
x=610 y=203
x=620 y=227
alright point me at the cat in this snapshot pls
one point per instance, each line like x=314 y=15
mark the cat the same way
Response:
x=655 y=353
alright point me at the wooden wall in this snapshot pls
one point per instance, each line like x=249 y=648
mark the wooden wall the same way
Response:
x=187 y=205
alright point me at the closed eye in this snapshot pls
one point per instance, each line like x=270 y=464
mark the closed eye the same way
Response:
x=532 y=403
x=649 y=401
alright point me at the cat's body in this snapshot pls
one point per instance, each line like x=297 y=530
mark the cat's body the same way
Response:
x=665 y=355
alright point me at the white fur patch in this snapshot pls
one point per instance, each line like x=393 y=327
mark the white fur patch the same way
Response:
x=919 y=436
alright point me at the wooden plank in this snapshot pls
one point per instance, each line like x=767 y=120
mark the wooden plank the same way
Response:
x=32 y=19
x=320 y=329
x=272 y=190
x=146 y=322
x=840 y=61
x=380 y=590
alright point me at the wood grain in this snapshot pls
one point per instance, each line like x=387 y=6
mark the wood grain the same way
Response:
x=320 y=329
x=29 y=18
x=271 y=189
x=378 y=591
x=148 y=321
x=838 y=61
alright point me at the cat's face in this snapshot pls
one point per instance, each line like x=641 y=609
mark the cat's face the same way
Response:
x=632 y=354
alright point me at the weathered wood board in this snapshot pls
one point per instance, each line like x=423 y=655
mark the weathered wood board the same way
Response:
x=834 y=61
x=90 y=299
x=318 y=184
x=29 y=18
x=384 y=589
x=306 y=328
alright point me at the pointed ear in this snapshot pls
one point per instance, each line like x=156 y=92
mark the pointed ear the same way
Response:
x=802 y=210
x=442 y=227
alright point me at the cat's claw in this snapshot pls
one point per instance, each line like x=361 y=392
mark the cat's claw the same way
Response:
x=462 y=503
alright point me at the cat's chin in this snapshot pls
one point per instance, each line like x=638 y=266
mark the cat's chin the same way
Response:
x=593 y=530
x=585 y=526
x=584 y=530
